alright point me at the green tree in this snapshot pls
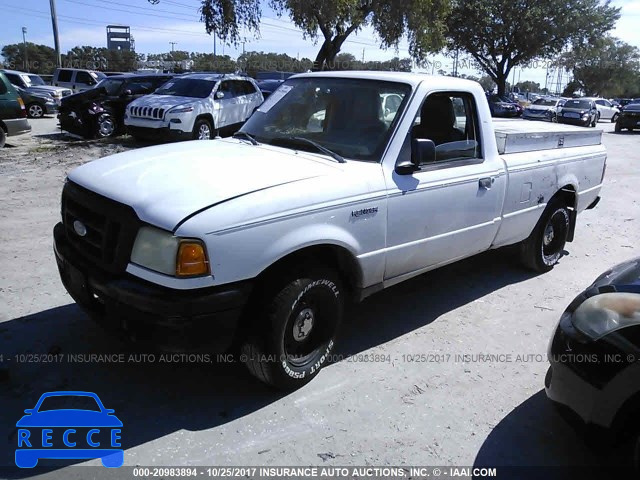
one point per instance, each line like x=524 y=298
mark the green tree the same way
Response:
x=487 y=83
x=254 y=62
x=41 y=58
x=207 y=62
x=421 y=22
x=528 y=86
x=503 y=34
x=609 y=67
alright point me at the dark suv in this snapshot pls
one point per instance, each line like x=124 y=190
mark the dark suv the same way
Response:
x=99 y=112
x=13 y=115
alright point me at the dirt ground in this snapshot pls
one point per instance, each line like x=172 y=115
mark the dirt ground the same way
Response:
x=383 y=405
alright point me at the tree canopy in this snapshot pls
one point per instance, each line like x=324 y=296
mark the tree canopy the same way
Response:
x=421 y=22
x=609 y=68
x=41 y=58
x=502 y=34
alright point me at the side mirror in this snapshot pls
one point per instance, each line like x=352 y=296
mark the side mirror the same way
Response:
x=127 y=93
x=219 y=95
x=423 y=151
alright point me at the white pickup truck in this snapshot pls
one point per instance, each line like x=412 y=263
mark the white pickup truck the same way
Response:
x=323 y=196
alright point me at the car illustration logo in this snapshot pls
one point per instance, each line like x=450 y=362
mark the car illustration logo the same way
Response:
x=79 y=228
x=53 y=430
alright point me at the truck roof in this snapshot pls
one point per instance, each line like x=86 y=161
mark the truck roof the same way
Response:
x=438 y=81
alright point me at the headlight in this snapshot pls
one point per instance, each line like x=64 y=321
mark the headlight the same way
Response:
x=181 y=110
x=605 y=313
x=163 y=252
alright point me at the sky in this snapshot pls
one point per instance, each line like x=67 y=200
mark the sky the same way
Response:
x=83 y=22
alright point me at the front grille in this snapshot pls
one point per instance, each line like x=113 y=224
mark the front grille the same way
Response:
x=154 y=113
x=110 y=226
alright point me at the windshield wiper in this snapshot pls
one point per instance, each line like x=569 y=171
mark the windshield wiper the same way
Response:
x=246 y=136
x=319 y=147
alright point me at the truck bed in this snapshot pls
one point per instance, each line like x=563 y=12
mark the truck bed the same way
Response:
x=515 y=136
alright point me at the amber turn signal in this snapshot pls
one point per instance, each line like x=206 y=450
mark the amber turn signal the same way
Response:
x=192 y=259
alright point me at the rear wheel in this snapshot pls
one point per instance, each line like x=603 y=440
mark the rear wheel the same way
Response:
x=544 y=247
x=35 y=110
x=618 y=128
x=295 y=328
x=614 y=118
x=3 y=137
x=202 y=130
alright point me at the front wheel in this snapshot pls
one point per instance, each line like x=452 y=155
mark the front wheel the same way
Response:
x=35 y=110
x=3 y=137
x=544 y=247
x=295 y=328
x=202 y=130
x=618 y=128
x=105 y=126
x=614 y=118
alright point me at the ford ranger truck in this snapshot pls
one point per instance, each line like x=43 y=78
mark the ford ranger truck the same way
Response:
x=259 y=240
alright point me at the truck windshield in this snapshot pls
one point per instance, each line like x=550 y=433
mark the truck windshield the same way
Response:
x=351 y=117
x=187 y=87
x=110 y=85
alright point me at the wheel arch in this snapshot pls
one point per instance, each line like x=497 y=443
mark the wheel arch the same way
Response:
x=206 y=116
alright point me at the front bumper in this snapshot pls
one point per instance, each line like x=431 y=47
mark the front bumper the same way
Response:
x=160 y=317
x=628 y=121
x=158 y=133
x=17 y=126
x=575 y=121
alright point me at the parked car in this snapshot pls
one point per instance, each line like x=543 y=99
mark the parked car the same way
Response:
x=261 y=239
x=99 y=112
x=37 y=104
x=594 y=373
x=34 y=84
x=629 y=118
x=194 y=106
x=606 y=111
x=76 y=79
x=268 y=81
x=623 y=101
x=544 y=109
x=501 y=107
x=13 y=114
x=579 y=111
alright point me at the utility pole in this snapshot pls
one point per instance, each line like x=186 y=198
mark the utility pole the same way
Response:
x=173 y=44
x=54 y=22
x=24 y=42
x=363 y=55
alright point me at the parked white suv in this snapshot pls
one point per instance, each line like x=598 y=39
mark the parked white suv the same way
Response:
x=76 y=79
x=606 y=109
x=195 y=106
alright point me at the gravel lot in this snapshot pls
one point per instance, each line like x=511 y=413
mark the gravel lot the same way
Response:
x=383 y=406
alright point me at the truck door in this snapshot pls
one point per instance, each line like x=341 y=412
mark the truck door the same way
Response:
x=451 y=207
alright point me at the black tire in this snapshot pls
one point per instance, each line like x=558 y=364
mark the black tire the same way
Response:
x=35 y=110
x=545 y=246
x=200 y=129
x=614 y=118
x=618 y=128
x=3 y=137
x=295 y=328
x=105 y=126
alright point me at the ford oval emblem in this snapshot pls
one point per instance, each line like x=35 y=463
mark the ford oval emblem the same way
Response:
x=79 y=227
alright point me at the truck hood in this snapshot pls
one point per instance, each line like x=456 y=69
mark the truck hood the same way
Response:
x=167 y=183
x=45 y=89
x=166 y=101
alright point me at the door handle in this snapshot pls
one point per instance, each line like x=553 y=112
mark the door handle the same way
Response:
x=486 y=182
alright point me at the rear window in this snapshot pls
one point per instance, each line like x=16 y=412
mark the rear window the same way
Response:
x=545 y=102
x=187 y=87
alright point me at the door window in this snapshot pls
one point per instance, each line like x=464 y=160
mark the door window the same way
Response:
x=15 y=79
x=64 y=75
x=228 y=89
x=3 y=87
x=84 y=78
x=450 y=121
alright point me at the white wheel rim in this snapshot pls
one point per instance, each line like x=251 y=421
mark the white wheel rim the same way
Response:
x=204 y=133
x=35 y=110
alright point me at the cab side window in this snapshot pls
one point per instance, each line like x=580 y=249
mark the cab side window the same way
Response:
x=449 y=119
x=84 y=78
x=64 y=75
x=15 y=79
